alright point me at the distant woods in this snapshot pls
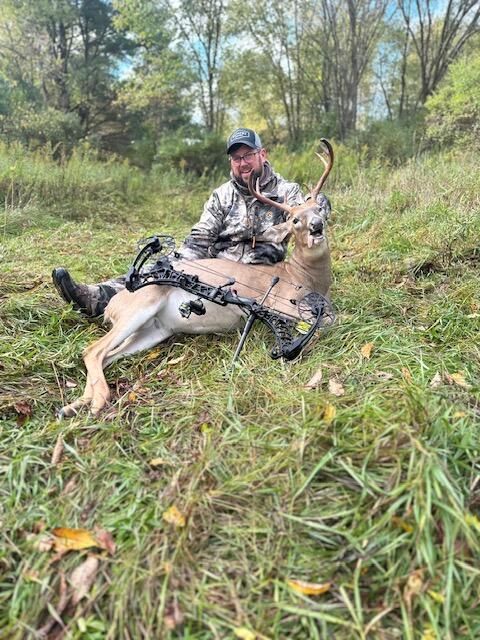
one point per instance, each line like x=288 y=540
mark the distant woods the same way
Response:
x=153 y=79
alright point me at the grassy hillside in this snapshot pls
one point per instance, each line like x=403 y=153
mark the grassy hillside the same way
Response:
x=372 y=493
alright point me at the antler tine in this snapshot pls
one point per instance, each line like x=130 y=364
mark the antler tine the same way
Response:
x=328 y=167
x=256 y=194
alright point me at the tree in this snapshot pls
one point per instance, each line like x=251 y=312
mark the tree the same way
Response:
x=437 y=38
x=61 y=55
x=349 y=32
x=200 y=26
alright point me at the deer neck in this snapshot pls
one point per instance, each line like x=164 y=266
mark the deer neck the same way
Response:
x=313 y=272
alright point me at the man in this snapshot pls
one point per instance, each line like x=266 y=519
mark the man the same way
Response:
x=229 y=227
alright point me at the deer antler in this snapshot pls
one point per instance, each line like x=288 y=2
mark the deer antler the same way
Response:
x=328 y=166
x=256 y=194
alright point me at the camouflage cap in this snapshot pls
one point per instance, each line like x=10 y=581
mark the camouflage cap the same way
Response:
x=244 y=136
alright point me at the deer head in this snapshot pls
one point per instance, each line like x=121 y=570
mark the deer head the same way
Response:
x=307 y=221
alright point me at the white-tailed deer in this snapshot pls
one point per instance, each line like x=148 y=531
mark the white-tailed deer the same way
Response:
x=150 y=315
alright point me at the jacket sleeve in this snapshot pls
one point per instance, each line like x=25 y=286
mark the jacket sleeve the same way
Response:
x=205 y=233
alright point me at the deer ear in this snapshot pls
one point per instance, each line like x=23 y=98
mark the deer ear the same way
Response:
x=277 y=233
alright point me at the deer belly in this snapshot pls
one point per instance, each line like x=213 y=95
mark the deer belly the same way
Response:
x=217 y=319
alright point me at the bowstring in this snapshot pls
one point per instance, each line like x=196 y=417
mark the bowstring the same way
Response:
x=196 y=264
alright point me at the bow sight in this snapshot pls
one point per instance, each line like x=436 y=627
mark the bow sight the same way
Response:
x=292 y=332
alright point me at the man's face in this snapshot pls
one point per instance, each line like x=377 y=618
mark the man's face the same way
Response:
x=244 y=160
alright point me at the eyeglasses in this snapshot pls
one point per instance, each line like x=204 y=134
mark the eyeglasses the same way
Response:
x=248 y=157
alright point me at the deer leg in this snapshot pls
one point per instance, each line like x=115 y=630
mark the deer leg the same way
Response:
x=97 y=392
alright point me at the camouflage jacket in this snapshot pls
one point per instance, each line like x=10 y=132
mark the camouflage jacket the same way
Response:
x=232 y=218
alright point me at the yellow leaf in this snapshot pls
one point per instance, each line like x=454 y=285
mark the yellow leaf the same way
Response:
x=309 y=588
x=244 y=634
x=472 y=521
x=329 y=413
x=157 y=462
x=407 y=376
x=429 y=634
x=366 y=350
x=438 y=597
x=459 y=414
x=459 y=379
x=153 y=354
x=174 y=516
x=402 y=524
x=66 y=539
x=73 y=539
x=132 y=396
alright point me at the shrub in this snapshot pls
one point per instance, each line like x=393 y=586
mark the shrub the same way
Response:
x=454 y=110
x=200 y=156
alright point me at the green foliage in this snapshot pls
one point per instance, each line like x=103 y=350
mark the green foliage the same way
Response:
x=391 y=141
x=203 y=155
x=454 y=110
x=37 y=128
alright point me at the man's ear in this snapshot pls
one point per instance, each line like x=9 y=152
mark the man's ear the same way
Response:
x=277 y=233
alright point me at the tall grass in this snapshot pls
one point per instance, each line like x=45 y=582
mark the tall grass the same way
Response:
x=373 y=491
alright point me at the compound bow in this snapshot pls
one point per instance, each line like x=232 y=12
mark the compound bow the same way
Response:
x=292 y=333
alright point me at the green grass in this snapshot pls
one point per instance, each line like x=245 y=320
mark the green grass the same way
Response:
x=272 y=488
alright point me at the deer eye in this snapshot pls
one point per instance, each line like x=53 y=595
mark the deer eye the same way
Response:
x=295 y=220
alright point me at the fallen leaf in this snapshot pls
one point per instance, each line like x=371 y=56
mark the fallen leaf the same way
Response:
x=173 y=616
x=407 y=376
x=309 y=588
x=244 y=634
x=82 y=578
x=329 y=413
x=315 y=380
x=170 y=363
x=105 y=540
x=400 y=523
x=429 y=634
x=459 y=414
x=472 y=521
x=132 y=396
x=70 y=384
x=57 y=450
x=153 y=355
x=413 y=586
x=70 y=486
x=438 y=597
x=366 y=350
x=437 y=380
x=66 y=539
x=459 y=379
x=23 y=410
x=335 y=387
x=157 y=462
x=174 y=516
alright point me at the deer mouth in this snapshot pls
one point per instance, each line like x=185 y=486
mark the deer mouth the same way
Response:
x=315 y=237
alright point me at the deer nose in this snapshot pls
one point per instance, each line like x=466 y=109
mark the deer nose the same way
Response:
x=316 y=226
